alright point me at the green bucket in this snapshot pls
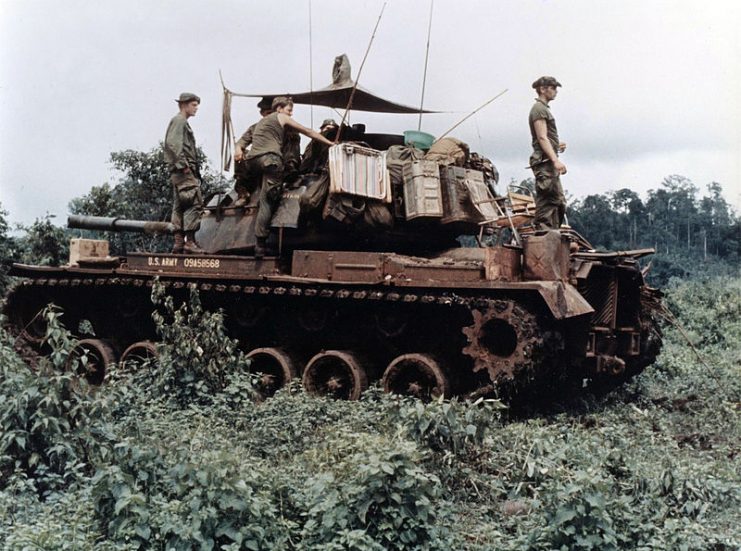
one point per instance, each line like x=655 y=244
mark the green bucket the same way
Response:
x=420 y=140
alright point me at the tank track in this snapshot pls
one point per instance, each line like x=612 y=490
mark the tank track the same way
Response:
x=480 y=345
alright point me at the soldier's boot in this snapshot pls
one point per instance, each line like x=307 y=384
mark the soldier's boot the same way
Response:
x=261 y=246
x=177 y=247
x=191 y=245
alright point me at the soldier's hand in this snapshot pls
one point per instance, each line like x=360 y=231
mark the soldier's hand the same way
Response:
x=560 y=167
x=238 y=154
x=561 y=147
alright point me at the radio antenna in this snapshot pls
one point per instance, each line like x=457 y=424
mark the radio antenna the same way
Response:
x=471 y=114
x=424 y=77
x=357 y=79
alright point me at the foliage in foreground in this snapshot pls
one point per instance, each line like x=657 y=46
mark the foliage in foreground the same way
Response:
x=652 y=466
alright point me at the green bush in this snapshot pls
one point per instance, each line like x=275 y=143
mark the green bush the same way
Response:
x=208 y=500
x=447 y=425
x=45 y=414
x=378 y=490
x=196 y=356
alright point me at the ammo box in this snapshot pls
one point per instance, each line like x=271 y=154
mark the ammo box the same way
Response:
x=359 y=171
x=422 y=193
x=466 y=198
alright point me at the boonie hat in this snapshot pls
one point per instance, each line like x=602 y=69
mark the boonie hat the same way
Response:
x=546 y=81
x=328 y=122
x=186 y=97
x=280 y=100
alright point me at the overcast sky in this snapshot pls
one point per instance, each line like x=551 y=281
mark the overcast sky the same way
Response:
x=650 y=88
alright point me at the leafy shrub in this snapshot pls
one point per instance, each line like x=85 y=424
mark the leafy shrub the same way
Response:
x=44 y=415
x=377 y=497
x=196 y=354
x=447 y=425
x=709 y=309
x=208 y=500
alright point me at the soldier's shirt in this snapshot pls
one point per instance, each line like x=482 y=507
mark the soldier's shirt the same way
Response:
x=267 y=137
x=246 y=138
x=541 y=111
x=180 y=145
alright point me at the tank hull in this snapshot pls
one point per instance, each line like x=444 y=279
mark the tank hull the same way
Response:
x=477 y=317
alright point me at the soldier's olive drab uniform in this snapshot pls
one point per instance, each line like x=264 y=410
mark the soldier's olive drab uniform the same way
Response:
x=291 y=151
x=180 y=153
x=550 y=202
x=245 y=181
x=266 y=159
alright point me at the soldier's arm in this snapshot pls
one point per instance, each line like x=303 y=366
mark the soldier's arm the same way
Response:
x=541 y=132
x=174 y=143
x=285 y=120
x=242 y=143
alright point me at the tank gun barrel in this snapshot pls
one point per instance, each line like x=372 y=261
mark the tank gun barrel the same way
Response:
x=104 y=223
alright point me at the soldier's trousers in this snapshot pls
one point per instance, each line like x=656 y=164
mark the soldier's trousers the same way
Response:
x=187 y=203
x=550 y=202
x=270 y=167
x=245 y=182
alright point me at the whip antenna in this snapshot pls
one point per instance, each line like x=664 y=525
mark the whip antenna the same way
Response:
x=424 y=77
x=357 y=79
x=471 y=114
x=311 y=70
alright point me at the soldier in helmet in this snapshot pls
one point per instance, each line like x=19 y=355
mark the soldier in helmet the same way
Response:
x=314 y=159
x=182 y=162
x=266 y=159
x=550 y=202
x=245 y=183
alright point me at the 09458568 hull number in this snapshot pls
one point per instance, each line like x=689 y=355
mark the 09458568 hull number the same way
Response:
x=201 y=263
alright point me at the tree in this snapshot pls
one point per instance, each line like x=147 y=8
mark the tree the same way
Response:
x=43 y=244
x=8 y=251
x=143 y=192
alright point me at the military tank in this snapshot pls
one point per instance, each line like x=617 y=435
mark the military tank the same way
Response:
x=412 y=271
x=539 y=311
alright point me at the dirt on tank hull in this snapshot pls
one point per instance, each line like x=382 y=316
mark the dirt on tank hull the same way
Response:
x=497 y=320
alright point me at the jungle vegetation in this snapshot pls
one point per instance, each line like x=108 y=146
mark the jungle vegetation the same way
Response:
x=188 y=456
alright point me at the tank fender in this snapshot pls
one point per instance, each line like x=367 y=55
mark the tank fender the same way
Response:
x=563 y=300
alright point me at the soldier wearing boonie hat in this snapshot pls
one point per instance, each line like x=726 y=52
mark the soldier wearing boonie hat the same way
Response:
x=267 y=158
x=245 y=183
x=550 y=202
x=182 y=162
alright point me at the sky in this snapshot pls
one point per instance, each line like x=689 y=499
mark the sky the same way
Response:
x=650 y=87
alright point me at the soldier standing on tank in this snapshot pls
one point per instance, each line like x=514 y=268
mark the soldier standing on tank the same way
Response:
x=182 y=162
x=244 y=184
x=550 y=202
x=266 y=159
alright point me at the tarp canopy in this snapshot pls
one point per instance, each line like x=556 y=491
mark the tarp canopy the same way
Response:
x=338 y=97
x=338 y=94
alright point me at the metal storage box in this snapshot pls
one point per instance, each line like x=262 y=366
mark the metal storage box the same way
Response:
x=481 y=195
x=422 y=193
x=360 y=171
x=466 y=198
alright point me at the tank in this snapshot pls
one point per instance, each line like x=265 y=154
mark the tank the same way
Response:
x=386 y=264
x=538 y=312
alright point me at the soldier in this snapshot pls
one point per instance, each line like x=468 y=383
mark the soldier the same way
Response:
x=550 y=203
x=266 y=158
x=244 y=183
x=314 y=159
x=180 y=156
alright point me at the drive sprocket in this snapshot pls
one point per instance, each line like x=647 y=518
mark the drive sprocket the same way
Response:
x=505 y=340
